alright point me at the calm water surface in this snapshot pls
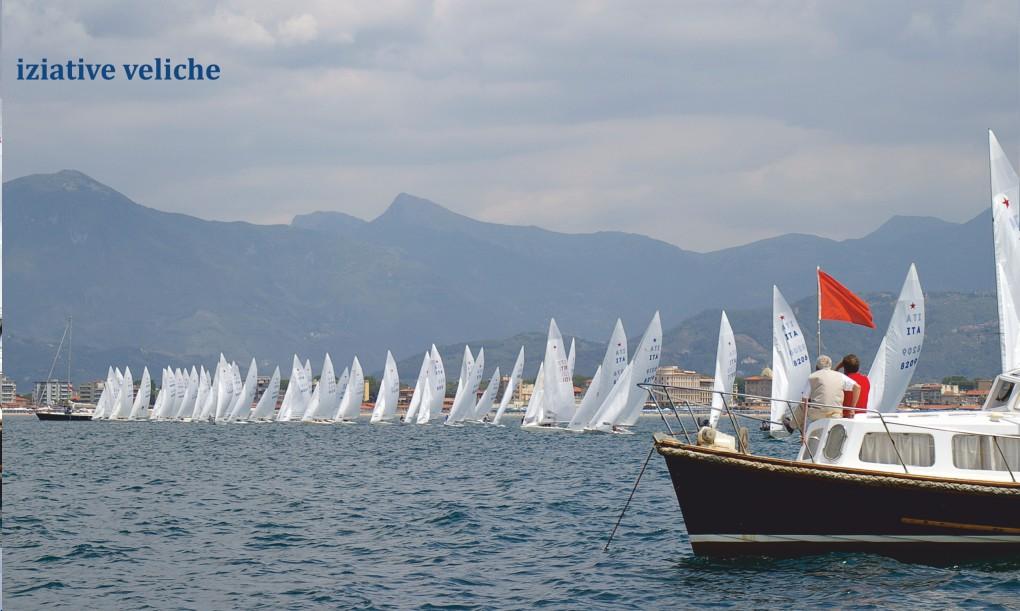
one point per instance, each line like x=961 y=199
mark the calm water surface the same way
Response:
x=193 y=516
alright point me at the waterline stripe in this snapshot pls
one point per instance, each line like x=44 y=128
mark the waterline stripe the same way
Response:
x=746 y=538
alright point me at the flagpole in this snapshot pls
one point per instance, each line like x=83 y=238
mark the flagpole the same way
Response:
x=818 y=283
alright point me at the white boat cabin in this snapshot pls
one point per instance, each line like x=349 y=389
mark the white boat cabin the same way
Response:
x=962 y=444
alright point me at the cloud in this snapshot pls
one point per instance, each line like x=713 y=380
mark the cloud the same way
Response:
x=701 y=123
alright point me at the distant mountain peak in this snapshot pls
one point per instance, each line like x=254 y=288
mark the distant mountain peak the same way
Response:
x=407 y=208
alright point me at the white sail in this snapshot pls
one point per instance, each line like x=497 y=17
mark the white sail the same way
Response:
x=267 y=402
x=513 y=383
x=200 y=394
x=325 y=398
x=389 y=393
x=167 y=395
x=242 y=405
x=225 y=391
x=557 y=399
x=350 y=405
x=211 y=396
x=590 y=403
x=487 y=401
x=419 y=389
x=1006 y=232
x=140 y=407
x=433 y=408
x=125 y=398
x=896 y=360
x=105 y=397
x=532 y=413
x=157 y=407
x=571 y=357
x=626 y=411
x=616 y=402
x=189 y=396
x=791 y=364
x=725 y=370
x=181 y=388
x=288 y=395
x=463 y=399
x=613 y=363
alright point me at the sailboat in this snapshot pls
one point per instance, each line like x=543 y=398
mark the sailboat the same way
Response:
x=513 y=383
x=385 y=410
x=487 y=400
x=419 y=390
x=464 y=398
x=189 y=397
x=622 y=406
x=1005 y=187
x=433 y=408
x=298 y=392
x=790 y=364
x=532 y=413
x=124 y=398
x=613 y=363
x=557 y=397
x=267 y=402
x=350 y=404
x=725 y=370
x=140 y=407
x=242 y=405
x=896 y=360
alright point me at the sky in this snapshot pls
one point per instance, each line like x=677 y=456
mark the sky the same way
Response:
x=704 y=124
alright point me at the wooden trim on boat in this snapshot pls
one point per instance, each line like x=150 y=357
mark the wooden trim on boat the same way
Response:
x=667 y=445
x=959 y=526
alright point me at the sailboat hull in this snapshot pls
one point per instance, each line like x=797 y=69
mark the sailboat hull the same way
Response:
x=58 y=415
x=820 y=509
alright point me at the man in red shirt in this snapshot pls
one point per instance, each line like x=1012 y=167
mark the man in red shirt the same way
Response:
x=851 y=366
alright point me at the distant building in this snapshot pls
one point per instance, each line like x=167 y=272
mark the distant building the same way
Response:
x=51 y=392
x=983 y=385
x=8 y=390
x=755 y=387
x=89 y=392
x=687 y=386
x=404 y=396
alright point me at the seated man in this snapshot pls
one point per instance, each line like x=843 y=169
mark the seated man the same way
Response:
x=851 y=366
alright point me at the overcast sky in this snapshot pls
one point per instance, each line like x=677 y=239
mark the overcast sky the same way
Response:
x=705 y=124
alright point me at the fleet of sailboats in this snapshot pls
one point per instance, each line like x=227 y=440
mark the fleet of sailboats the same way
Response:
x=615 y=394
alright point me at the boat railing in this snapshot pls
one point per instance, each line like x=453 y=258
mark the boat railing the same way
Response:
x=660 y=393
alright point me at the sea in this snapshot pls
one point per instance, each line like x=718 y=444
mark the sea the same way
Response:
x=106 y=515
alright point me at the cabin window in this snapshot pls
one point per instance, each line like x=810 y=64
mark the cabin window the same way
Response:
x=979 y=452
x=916 y=449
x=834 y=442
x=812 y=442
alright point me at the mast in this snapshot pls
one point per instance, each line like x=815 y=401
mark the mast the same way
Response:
x=818 y=285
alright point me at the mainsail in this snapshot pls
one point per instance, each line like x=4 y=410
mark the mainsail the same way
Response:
x=625 y=408
x=350 y=405
x=464 y=398
x=389 y=392
x=267 y=402
x=790 y=363
x=124 y=398
x=513 y=383
x=896 y=360
x=1006 y=231
x=487 y=400
x=419 y=389
x=532 y=413
x=140 y=408
x=437 y=390
x=725 y=370
x=613 y=363
x=242 y=405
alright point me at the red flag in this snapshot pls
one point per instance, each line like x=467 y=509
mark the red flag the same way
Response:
x=836 y=302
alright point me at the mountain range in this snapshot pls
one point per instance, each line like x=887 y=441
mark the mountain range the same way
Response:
x=149 y=286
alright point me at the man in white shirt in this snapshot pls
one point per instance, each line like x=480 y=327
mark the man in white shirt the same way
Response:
x=824 y=390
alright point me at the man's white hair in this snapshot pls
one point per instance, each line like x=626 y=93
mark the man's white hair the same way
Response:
x=823 y=362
